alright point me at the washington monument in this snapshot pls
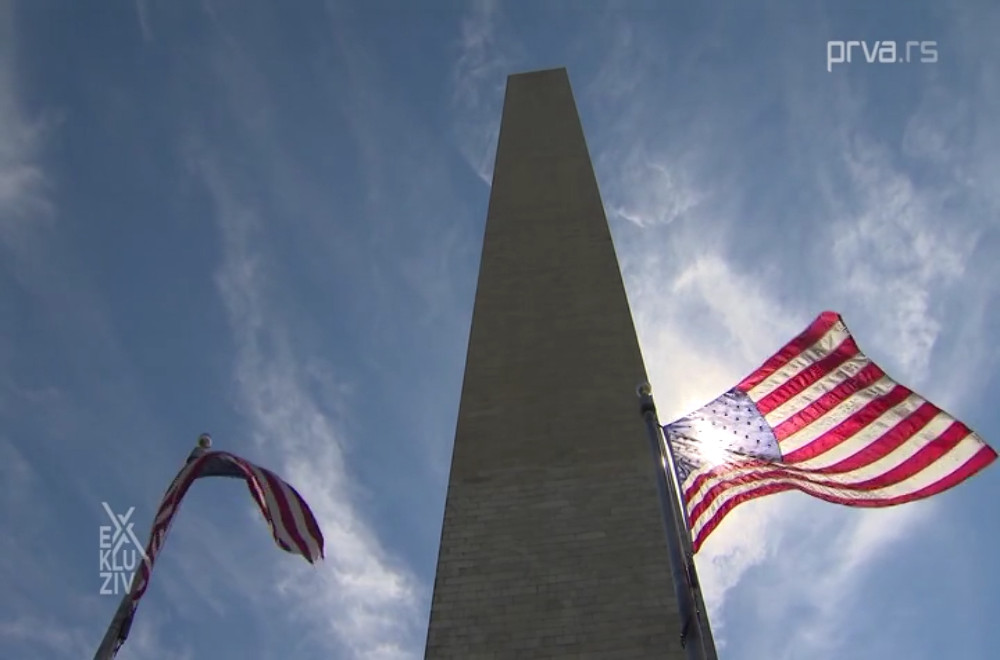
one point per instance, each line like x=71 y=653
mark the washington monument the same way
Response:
x=553 y=540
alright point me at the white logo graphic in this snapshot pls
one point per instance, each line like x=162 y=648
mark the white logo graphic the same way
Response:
x=882 y=52
x=120 y=552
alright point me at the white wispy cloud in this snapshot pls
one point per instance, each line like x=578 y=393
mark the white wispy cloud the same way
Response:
x=142 y=14
x=17 y=477
x=896 y=255
x=46 y=635
x=701 y=330
x=705 y=319
x=24 y=187
x=26 y=212
x=619 y=77
x=658 y=193
x=422 y=238
x=952 y=141
x=486 y=58
x=360 y=597
x=828 y=555
x=148 y=642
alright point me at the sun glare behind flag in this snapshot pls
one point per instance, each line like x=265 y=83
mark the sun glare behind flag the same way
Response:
x=821 y=418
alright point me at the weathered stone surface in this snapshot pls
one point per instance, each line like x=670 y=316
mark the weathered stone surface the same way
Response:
x=553 y=543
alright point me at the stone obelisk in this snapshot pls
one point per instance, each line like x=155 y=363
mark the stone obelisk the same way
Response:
x=553 y=541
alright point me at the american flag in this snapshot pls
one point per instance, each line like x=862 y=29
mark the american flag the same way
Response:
x=821 y=418
x=292 y=524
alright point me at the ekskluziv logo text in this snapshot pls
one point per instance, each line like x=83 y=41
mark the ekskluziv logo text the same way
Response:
x=120 y=552
x=882 y=52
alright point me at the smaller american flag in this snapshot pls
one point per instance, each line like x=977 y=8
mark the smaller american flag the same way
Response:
x=292 y=524
x=821 y=418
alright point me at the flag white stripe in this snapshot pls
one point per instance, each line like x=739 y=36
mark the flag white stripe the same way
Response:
x=881 y=466
x=936 y=471
x=268 y=503
x=828 y=343
x=865 y=436
x=849 y=369
x=274 y=511
x=300 y=521
x=161 y=524
x=166 y=509
x=834 y=416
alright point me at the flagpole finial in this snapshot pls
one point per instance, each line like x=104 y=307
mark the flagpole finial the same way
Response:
x=646 y=405
x=204 y=441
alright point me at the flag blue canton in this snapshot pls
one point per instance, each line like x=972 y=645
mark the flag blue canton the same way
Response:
x=725 y=430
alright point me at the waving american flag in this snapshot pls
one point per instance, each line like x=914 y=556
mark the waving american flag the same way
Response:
x=289 y=518
x=821 y=418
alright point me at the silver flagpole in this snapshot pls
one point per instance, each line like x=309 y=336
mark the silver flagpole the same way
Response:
x=696 y=634
x=109 y=645
x=684 y=526
x=121 y=622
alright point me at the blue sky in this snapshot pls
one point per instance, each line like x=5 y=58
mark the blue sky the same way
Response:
x=265 y=222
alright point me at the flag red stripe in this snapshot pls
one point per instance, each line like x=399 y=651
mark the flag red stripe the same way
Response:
x=850 y=426
x=791 y=350
x=899 y=447
x=260 y=495
x=176 y=492
x=808 y=376
x=257 y=493
x=892 y=439
x=180 y=484
x=881 y=446
x=979 y=460
x=179 y=487
x=828 y=401
x=929 y=453
x=312 y=527
x=287 y=518
x=721 y=471
x=911 y=466
x=948 y=439
x=170 y=504
x=724 y=510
